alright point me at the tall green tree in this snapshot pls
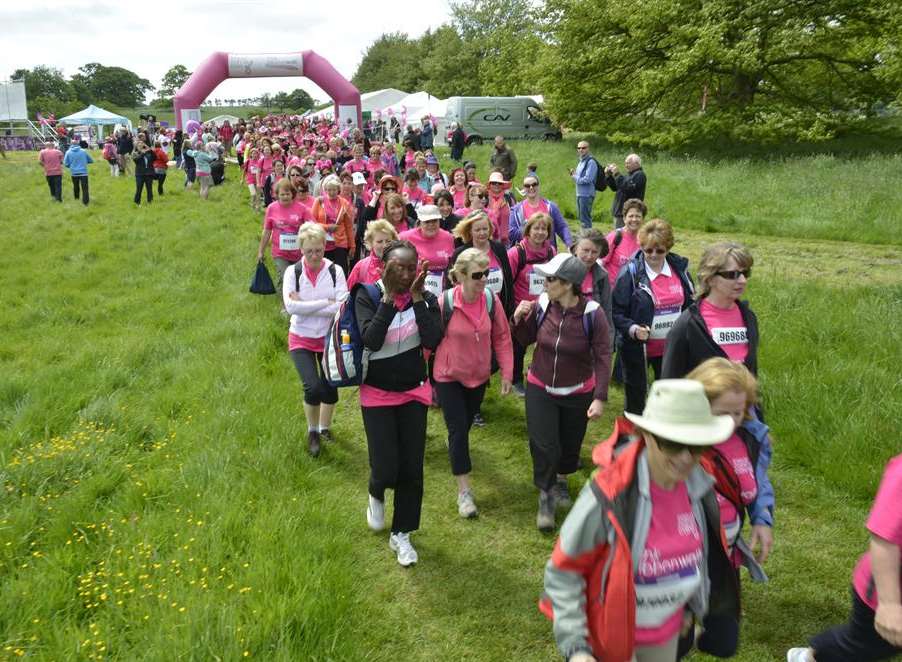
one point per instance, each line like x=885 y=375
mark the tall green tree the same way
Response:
x=122 y=87
x=450 y=66
x=668 y=71
x=46 y=90
x=172 y=80
x=393 y=60
x=508 y=39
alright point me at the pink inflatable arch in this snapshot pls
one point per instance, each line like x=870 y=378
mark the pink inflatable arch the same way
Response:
x=220 y=66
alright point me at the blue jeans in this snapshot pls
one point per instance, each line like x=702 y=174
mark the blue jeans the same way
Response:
x=584 y=208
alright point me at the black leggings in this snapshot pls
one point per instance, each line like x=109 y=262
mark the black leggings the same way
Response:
x=80 y=181
x=519 y=357
x=556 y=426
x=854 y=640
x=339 y=256
x=55 y=182
x=635 y=379
x=396 y=440
x=459 y=405
x=143 y=182
x=316 y=389
x=161 y=177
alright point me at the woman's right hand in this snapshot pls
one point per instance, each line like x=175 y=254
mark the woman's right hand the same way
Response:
x=524 y=308
x=642 y=333
x=388 y=282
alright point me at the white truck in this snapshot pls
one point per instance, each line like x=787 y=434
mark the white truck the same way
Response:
x=483 y=118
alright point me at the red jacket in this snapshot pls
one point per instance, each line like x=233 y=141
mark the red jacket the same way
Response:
x=160 y=158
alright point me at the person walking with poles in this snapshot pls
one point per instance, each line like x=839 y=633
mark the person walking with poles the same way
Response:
x=585 y=174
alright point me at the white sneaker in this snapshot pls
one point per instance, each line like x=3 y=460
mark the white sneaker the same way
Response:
x=799 y=655
x=466 y=506
x=400 y=543
x=375 y=514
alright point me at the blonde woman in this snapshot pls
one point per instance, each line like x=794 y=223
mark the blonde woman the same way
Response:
x=312 y=290
x=379 y=234
x=476 y=328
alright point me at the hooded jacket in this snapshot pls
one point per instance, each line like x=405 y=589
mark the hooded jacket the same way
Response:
x=77 y=161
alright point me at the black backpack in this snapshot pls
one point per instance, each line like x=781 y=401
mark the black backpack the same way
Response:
x=600 y=183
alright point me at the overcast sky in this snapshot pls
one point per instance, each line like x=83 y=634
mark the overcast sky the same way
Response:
x=143 y=37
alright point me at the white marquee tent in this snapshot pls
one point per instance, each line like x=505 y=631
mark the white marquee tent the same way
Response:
x=380 y=99
x=95 y=116
x=415 y=106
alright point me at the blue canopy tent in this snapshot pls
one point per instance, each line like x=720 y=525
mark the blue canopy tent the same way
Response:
x=94 y=116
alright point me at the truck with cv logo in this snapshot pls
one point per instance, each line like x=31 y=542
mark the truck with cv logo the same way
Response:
x=483 y=118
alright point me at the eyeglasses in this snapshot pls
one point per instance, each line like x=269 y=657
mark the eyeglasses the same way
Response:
x=479 y=275
x=654 y=251
x=735 y=274
x=675 y=447
x=530 y=186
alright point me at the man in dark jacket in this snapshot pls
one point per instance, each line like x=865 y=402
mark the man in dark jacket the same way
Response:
x=124 y=147
x=504 y=159
x=625 y=187
x=458 y=142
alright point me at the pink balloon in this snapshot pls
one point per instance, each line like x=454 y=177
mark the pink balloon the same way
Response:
x=192 y=126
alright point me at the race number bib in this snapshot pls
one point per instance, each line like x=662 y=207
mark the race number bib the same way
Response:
x=254 y=170
x=658 y=600
x=288 y=242
x=737 y=335
x=495 y=281
x=536 y=283
x=663 y=321
x=434 y=282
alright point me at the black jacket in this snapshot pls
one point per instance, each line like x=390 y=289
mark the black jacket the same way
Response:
x=632 y=299
x=407 y=370
x=601 y=292
x=690 y=342
x=630 y=185
x=144 y=164
x=448 y=224
x=506 y=296
x=125 y=144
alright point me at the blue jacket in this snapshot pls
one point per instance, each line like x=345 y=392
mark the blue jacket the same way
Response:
x=77 y=161
x=426 y=139
x=516 y=223
x=761 y=510
x=584 y=176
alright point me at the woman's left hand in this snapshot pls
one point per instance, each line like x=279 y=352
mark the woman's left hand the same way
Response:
x=763 y=537
x=294 y=296
x=419 y=283
x=596 y=409
x=505 y=386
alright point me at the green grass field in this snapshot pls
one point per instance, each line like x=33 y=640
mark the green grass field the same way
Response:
x=158 y=503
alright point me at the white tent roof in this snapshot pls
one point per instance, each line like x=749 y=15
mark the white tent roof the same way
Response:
x=417 y=105
x=379 y=99
x=219 y=120
x=92 y=115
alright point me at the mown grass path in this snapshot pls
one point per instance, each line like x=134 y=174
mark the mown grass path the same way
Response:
x=157 y=502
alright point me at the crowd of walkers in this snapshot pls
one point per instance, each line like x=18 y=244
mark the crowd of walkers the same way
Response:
x=447 y=280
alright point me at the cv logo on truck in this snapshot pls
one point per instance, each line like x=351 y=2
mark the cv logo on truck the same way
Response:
x=489 y=116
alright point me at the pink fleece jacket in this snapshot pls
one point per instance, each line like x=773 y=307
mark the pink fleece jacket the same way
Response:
x=465 y=353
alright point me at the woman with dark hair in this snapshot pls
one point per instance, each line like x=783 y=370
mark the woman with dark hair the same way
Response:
x=445 y=203
x=589 y=247
x=396 y=394
x=567 y=383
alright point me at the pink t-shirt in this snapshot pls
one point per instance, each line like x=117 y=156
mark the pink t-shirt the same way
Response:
x=284 y=221
x=668 y=572
x=311 y=344
x=368 y=270
x=885 y=521
x=588 y=285
x=438 y=250
x=528 y=285
x=52 y=160
x=734 y=451
x=727 y=328
x=529 y=210
x=460 y=197
x=619 y=256
x=668 y=291
x=252 y=171
x=356 y=166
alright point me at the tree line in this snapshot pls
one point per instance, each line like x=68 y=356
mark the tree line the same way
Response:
x=48 y=90
x=662 y=73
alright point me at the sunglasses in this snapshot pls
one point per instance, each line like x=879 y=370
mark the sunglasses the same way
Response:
x=483 y=197
x=675 y=447
x=479 y=275
x=530 y=186
x=551 y=279
x=735 y=274
x=654 y=251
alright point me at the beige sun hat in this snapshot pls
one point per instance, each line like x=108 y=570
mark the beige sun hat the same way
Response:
x=678 y=410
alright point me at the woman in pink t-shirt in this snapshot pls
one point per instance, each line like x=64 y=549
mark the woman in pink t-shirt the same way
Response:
x=622 y=242
x=719 y=323
x=874 y=629
x=743 y=488
x=463 y=361
x=459 y=188
x=281 y=224
x=674 y=566
x=379 y=234
x=434 y=245
x=396 y=394
x=650 y=294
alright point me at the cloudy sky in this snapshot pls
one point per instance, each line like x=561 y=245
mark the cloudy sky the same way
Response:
x=150 y=37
